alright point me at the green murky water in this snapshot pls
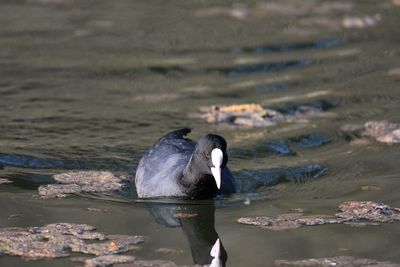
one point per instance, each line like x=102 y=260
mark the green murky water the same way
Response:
x=91 y=84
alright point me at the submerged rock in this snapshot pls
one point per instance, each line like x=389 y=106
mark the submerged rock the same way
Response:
x=254 y=115
x=354 y=213
x=380 y=131
x=256 y=180
x=311 y=140
x=343 y=261
x=5 y=181
x=58 y=240
x=281 y=148
x=108 y=260
x=126 y=261
x=84 y=181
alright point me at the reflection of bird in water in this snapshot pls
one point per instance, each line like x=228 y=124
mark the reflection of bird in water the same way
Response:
x=216 y=254
x=178 y=167
x=197 y=222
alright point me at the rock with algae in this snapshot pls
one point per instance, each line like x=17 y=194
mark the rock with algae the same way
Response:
x=340 y=261
x=107 y=260
x=126 y=261
x=380 y=131
x=254 y=115
x=356 y=213
x=250 y=115
x=59 y=239
x=84 y=181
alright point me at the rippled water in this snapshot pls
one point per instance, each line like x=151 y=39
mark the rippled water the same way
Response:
x=91 y=84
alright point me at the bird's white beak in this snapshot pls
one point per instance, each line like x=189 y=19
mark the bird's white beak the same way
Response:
x=216 y=249
x=216 y=254
x=217 y=157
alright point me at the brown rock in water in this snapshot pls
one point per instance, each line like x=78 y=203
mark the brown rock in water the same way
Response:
x=58 y=190
x=289 y=221
x=355 y=213
x=57 y=240
x=254 y=115
x=340 y=261
x=367 y=211
x=390 y=138
x=379 y=128
x=126 y=261
x=83 y=181
x=380 y=131
x=246 y=115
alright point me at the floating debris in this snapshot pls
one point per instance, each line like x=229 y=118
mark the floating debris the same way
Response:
x=337 y=261
x=380 y=131
x=5 y=181
x=287 y=221
x=368 y=211
x=157 y=98
x=396 y=71
x=84 y=181
x=185 y=215
x=254 y=115
x=59 y=239
x=169 y=251
x=237 y=12
x=12 y=216
x=251 y=115
x=354 y=213
x=96 y=209
x=370 y=188
x=361 y=22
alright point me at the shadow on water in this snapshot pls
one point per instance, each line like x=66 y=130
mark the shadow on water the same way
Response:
x=197 y=221
x=36 y=163
x=264 y=67
x=319 y=44
x=295 y=108
x=252 y=181
x=281 y=147
x=179 y=71
x=269 y=48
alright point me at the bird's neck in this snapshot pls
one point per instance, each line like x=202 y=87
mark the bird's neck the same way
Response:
x=197 y=185
x=190 y=174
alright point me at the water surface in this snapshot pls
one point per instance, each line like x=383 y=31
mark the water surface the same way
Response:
x=90 y=85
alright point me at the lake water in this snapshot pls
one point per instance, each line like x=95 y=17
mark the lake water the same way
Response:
x=90 y=85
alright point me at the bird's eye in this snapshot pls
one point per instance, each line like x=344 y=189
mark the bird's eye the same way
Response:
x=206 y=155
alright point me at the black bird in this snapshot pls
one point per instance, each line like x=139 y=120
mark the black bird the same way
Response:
x=175 y=166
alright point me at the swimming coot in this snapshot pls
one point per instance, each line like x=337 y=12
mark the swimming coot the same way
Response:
x=175 y=166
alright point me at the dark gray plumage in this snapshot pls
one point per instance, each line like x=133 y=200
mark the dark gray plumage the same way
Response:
x=178 y=167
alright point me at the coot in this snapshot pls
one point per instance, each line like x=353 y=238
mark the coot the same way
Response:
x=176 y=166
